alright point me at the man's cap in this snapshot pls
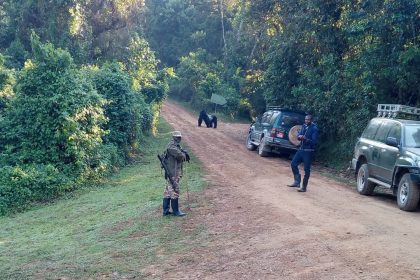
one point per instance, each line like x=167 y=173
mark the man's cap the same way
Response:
x=176 y=134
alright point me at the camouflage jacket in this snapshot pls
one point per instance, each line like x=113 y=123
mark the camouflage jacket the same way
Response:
x=175 y=158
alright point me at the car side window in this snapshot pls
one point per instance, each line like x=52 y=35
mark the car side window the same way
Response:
x=264 y=117
x=395 y=132
x=274 y=117
x=371 y=129
x=383 y=131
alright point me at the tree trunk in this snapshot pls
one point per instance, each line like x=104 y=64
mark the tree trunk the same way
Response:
x=223 y=29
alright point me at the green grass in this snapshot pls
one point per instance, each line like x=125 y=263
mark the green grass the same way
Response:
x=116 y=228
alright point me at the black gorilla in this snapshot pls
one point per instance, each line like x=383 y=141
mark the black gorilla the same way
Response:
x=209 y=120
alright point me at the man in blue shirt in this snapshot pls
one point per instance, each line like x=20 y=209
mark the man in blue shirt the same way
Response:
x=308 y=137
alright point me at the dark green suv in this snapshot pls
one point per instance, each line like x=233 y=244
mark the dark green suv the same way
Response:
x=275 y=131
x=388 y=154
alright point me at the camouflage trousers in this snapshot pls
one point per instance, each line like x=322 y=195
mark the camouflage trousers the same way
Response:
x=172 y=191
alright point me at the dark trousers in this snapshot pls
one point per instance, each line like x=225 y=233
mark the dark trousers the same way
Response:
x=306 y=158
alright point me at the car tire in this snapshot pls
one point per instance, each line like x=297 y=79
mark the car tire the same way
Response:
x=408 y=194
x=261 y=148
x=249 y=145
x=364 y=186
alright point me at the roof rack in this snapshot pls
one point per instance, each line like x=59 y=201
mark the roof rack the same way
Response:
x=274 y=108
x=280 y=108
x=394 y=110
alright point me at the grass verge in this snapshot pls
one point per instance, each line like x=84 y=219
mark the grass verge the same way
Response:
x=112 y=231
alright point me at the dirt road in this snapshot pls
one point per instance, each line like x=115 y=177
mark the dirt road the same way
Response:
x=271 y=231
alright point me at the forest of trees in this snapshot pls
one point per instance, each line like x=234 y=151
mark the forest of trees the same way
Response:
x=82 y=81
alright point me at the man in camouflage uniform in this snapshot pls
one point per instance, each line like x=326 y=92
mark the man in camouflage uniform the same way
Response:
x=175 y=158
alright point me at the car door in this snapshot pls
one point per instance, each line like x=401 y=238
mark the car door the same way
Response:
x=379 y=150
x=367 y=145
x=259 y=127
x=253 y=130
x=265 y=124
x=389 y=154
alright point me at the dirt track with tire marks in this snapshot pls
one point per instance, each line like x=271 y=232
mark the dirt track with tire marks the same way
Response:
x=261 y=229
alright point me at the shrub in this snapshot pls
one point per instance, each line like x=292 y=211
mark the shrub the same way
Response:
x=127 y=113
x=51 y=134
x=7 y=81
x=22 y=184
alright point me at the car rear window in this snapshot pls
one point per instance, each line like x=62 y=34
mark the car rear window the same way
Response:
x=291 y=119
x=266 y=117
x=274 y=117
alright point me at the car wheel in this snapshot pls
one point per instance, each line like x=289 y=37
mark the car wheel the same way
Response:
x=249 y=144
x=262 y=147
x=408 y=194
x=364 y=186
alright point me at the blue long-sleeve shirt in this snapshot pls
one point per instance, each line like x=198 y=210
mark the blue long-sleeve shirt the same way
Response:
x=311 y=137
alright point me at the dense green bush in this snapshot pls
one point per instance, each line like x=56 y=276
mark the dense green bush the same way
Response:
x=21 y=184
x=15 y=55
x=51 y=130
x=154 y=92
x=66 y=127
x=200 y=76
x=56 y=116
x=122 y=110
x=191 y=70
x=7 y=81
x=149 y=84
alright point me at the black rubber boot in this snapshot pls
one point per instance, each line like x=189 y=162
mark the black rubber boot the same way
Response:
x=166 y=206
x=296 y=183
x=304 y=185
x=175 y=208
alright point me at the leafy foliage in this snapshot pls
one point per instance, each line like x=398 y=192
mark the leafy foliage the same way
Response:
x=338 y=60
x=83 y=124
x=176 y=28
x=92 y=31
x=126 y=111
x=23 y=183
x=53 y=125
x=66 y=113
x=200 y=76
x=7 y=80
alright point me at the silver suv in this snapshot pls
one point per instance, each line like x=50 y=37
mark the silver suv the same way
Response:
x=388 y=154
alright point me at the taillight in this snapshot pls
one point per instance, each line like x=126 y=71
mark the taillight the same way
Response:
x=280 y=134
x=273 y=132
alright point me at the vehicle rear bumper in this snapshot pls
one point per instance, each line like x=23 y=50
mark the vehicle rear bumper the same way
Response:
x=280 y=144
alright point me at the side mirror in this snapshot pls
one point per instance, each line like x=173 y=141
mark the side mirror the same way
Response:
x=391 y=141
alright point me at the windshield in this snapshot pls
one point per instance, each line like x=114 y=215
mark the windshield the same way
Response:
x=412 y=136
